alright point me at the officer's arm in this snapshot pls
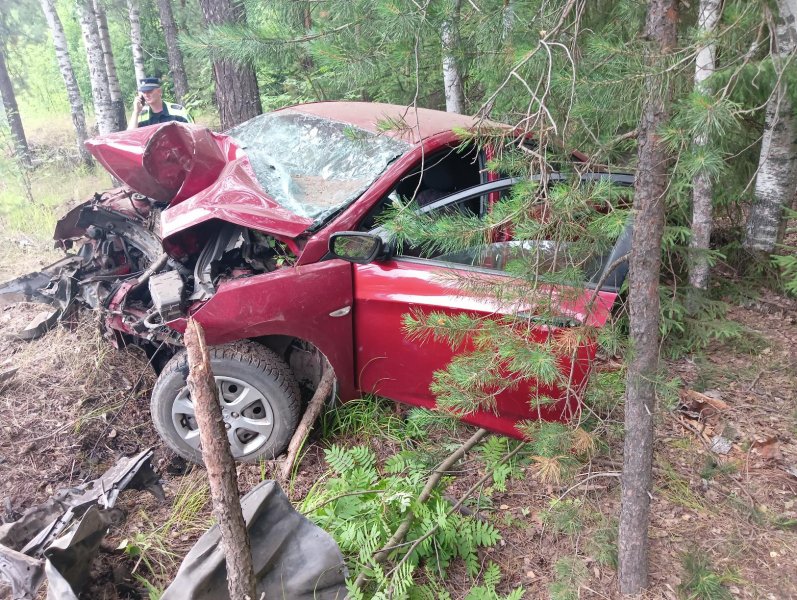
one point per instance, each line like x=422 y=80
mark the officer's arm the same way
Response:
x=138 y=105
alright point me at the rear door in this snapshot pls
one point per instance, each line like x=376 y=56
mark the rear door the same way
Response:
x=390 y=364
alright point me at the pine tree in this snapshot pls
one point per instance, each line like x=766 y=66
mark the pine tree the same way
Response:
x=643 y=300
x=237 y=92
x=176 y=67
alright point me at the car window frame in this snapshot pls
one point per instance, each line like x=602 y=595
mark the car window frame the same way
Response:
x=623 y=179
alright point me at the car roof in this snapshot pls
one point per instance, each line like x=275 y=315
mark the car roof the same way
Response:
x=409 y=121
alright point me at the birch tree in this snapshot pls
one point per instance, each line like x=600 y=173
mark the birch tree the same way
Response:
x=21 y=150
x=702 y=212
x=103 y=108
x=70 y=82
x=173 y=52
x=777 y=166
x=643 y=301
x=114 y=91
x=452 y=73
x=237 y=94
x=135 y=39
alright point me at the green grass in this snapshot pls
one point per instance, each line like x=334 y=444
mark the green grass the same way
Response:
x=702 y=582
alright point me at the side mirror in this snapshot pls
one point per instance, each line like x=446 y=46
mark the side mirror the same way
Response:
x=356 y=247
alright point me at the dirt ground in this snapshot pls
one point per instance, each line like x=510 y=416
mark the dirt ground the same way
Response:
x=75 y=404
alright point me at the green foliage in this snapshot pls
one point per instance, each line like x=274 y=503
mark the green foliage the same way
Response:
x=602 y=545
x=569 y=574
x=486 y=591
x=492 y=452
x=361 y=503
x=564 y=516
x=701 y=582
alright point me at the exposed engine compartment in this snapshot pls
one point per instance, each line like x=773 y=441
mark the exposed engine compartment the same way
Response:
x=119 y=266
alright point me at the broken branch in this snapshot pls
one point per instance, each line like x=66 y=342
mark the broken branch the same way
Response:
x=310 y=415
x=220 y=465
x=381 y=555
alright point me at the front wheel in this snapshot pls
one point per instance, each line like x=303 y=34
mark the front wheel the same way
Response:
x=259 y=400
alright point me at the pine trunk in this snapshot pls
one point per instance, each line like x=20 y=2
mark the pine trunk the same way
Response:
x=21 y=150
x=452 y=74
x=115 y=92
x=103 y=109
x=643 y=299
x=777 y=165
x=237 y=94
x=702 y=189
x=135 y=39
x=176 y=67
x=68 y=73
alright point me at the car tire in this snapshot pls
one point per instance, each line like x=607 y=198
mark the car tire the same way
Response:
x=258 y=393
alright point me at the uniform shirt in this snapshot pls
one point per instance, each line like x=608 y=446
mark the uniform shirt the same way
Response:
x=170 y=112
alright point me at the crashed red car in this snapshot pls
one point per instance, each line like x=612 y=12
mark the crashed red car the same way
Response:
x=268 y=237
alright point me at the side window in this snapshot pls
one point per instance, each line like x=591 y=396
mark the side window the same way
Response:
x=439 y=175
x=498 y=250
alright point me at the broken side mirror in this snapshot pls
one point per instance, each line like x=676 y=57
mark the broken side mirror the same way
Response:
x=355 y=246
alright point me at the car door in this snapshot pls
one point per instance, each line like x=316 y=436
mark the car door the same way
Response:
x=390 y=364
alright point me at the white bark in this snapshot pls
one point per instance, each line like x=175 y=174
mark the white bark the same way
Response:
x=110 y=67
x=702 y=189
x=507 y=19
x=452 y=75
x=103 y=109
x=777 y=166
x=68 y=73
x=135 y=39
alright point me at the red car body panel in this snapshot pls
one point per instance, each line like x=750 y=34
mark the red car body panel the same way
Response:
x=392 y=365
x=295 y=301
x=351 y=313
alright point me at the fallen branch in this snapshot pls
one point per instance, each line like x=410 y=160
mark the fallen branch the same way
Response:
x=220 y=466
x=457 y=506
x=310 y=415
x=381 y=555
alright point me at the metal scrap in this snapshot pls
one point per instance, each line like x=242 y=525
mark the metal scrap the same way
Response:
x=59 y=537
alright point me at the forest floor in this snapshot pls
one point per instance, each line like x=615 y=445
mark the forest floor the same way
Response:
x=724 y=510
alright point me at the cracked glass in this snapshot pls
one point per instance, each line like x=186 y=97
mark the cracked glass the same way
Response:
x=314 y=166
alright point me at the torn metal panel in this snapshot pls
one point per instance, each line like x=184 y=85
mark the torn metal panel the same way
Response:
x=68 y=559
x=67 y=530
x=24 y=573
x=292 y=557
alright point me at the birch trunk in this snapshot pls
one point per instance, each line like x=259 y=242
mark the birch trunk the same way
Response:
x=507 y=20
x=643 y=300
x=70 y=82
x=110 y=67
x=777 y=165
x=103 y=109
x=176 y=66
x=21 y=150
x=452 y=75
x=702 y=189
x=237 y=94
x=135 y=39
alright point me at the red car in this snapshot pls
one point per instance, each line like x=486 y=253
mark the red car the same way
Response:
x=268 y=237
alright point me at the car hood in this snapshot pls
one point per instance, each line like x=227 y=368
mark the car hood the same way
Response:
x=200 y=174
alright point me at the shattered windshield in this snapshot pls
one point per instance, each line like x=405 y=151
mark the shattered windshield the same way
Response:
x=313 y=166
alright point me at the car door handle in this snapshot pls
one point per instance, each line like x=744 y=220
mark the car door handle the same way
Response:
x=341 y=312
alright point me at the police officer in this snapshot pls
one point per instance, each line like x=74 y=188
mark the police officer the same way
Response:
x=150 y=109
